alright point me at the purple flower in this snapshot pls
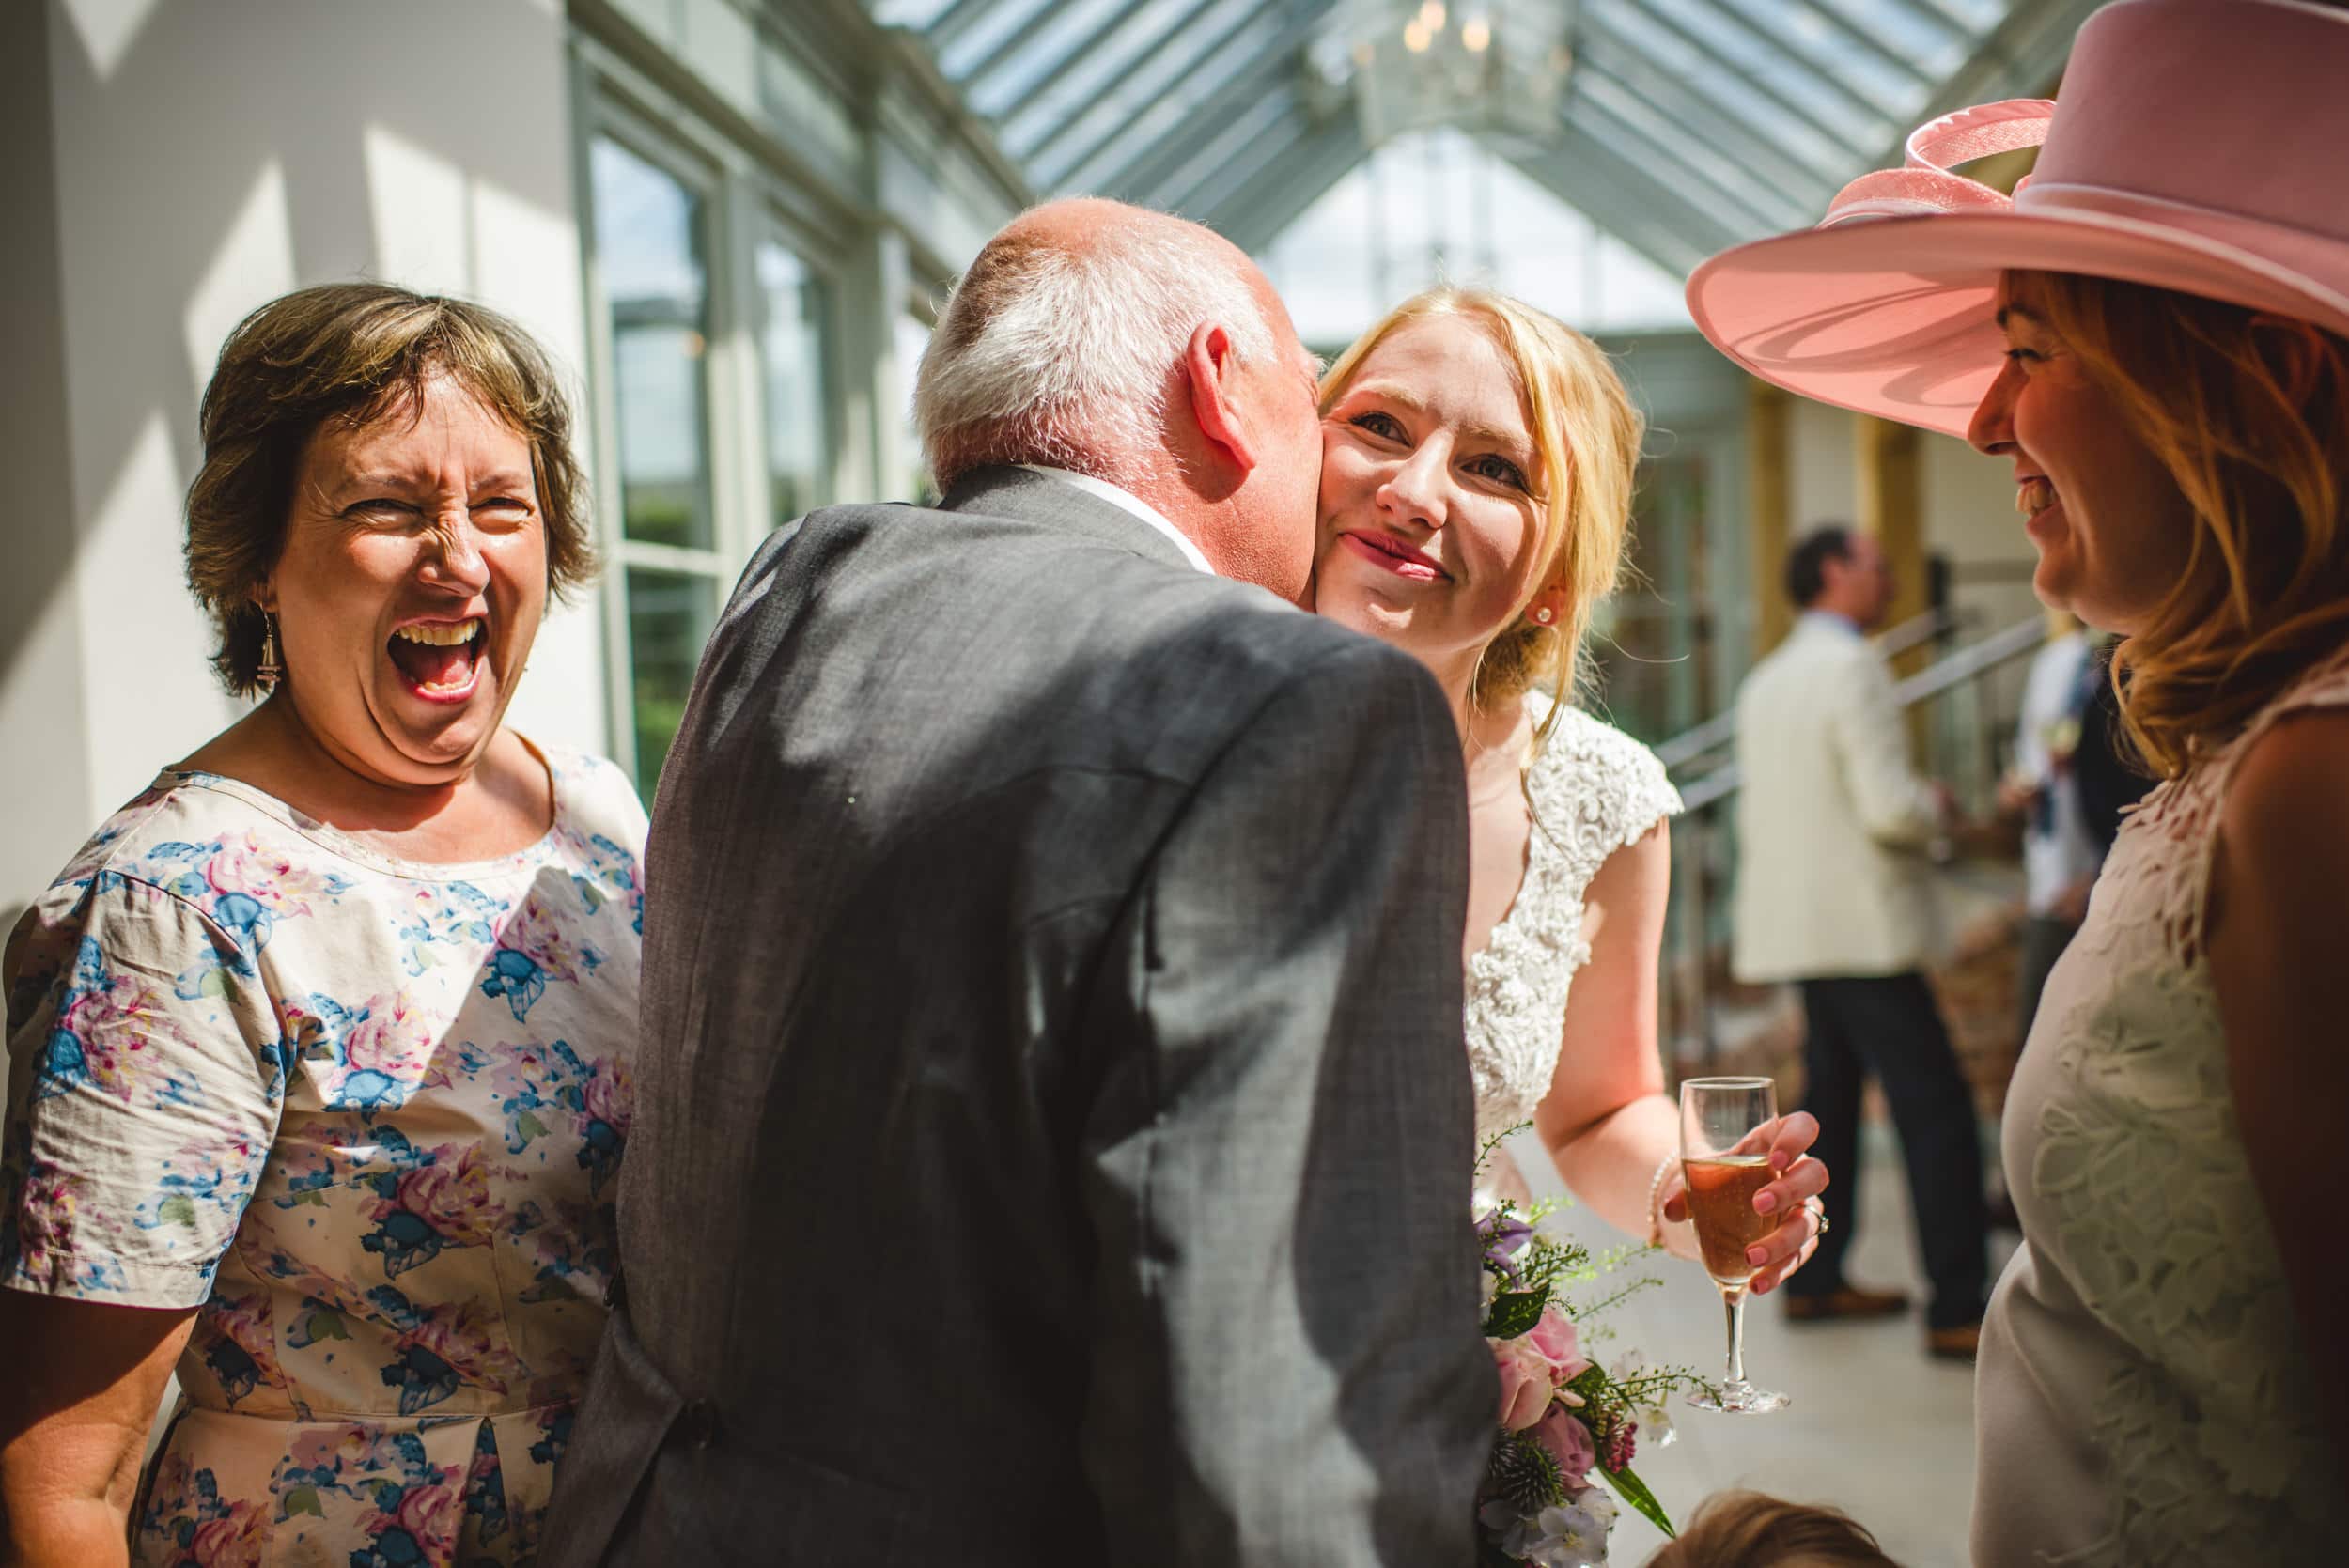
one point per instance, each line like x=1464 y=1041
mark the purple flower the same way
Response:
x=1504 y=1236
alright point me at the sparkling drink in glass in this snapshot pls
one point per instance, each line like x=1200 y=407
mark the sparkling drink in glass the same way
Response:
x=1726 y=1124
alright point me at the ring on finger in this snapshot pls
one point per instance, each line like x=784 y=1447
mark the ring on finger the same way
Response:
x=1818 y=1211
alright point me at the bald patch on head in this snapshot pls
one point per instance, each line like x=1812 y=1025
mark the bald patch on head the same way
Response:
x=1061 y=341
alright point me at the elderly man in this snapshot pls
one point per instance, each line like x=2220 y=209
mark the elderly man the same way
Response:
x=1833 y=893
x=1053 y=1143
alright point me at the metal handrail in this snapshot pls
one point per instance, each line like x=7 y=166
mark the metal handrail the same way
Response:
x=1967 y=663
x=1718 y=731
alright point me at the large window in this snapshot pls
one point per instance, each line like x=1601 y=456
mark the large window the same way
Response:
x=714 y=396
x=652 y=244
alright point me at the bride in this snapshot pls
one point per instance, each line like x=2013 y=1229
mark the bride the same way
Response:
x=1475 y=492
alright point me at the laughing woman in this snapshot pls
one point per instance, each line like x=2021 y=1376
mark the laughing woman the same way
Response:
x=319 y=1048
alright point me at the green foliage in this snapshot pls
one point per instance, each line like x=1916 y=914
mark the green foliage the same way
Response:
x=1631 y=1489
x=1514 y=1312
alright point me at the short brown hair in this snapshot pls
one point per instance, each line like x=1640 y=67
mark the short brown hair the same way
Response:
x=1753 y=1529
x=353 y=352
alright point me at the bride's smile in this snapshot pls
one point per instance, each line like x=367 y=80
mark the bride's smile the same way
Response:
x=1432 y=505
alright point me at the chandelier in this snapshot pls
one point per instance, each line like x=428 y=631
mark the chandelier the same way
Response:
x=1494 y=67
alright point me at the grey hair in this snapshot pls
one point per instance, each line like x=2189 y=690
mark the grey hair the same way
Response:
x=1063 y=356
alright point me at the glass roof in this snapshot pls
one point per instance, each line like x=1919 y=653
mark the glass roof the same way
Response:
x=1677 y=126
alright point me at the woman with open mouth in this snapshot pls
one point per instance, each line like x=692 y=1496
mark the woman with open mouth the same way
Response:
x=319 y=1047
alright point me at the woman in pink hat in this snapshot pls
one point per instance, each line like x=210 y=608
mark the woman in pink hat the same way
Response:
x=2155 y=333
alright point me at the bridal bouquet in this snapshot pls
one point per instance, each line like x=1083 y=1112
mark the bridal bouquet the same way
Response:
x=1566 y=1423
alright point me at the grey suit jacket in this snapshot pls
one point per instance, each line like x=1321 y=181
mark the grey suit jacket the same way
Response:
x=1053 y=1130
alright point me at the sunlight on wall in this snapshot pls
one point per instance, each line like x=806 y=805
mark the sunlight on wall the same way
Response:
x=144 y=639
x=108 y=28
x=421 y=218
x=253 y=265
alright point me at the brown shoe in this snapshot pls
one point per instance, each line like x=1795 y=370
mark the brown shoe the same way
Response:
x=1844 y=1303
x=1954 y=1345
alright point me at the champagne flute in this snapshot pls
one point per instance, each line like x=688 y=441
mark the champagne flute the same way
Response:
x=1726 y=1124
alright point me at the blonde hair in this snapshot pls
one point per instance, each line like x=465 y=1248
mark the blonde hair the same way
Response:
x=2265 y=590
x=1586 y=441
x=353 y=354
x=1753 y=1529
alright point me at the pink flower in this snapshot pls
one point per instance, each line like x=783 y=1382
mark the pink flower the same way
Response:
x=453 y=1198
x=431 y=1514
x=538 y=933
x=610 y=1096
x=391 y=1039
x=264 y=873
x=111 y=1023
x=233 y=1542
x=1569 y=1443
x=1555 y=1338
x=1527 y=1381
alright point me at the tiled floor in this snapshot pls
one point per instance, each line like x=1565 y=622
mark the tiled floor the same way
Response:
x=1874 y=1427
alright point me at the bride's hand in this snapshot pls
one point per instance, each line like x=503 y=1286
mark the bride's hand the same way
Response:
x=1789 y=1246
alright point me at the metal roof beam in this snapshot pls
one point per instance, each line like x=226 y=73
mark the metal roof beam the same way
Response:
x=1865 y=41
x=1087 y=49
x=1012 y=45
x=1149 y=55
x=1741 y=141
x=1704 y=48
x=955 y=20
x=1753 y=31
x=1254 y=217
x=1153 y=164
x=1626 y=201
x=1256 y=141
x=1707 y=186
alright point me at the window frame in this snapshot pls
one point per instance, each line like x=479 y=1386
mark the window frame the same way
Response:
x=744 y=200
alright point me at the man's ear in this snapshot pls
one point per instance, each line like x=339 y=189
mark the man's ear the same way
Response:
x=2293 y=352
x=1213 y=370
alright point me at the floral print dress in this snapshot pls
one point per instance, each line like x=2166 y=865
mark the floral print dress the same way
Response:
x=365 y=1116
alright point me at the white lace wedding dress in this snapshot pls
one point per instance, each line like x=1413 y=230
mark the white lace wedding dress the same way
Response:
x=2143 y=1397
x=1594 y=790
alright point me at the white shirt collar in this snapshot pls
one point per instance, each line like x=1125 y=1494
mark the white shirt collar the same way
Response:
x=1841 y=623
x=1130 y=503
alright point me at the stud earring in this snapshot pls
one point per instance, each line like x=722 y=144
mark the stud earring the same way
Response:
x=1543 y=615
x=266 y=673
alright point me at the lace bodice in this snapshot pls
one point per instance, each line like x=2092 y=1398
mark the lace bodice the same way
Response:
x=1594 y=790
x=2143 y=1396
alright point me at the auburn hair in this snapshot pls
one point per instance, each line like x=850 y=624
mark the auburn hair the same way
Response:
x=2264 y=467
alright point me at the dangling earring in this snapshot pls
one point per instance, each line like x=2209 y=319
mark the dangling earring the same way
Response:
x=265 y=674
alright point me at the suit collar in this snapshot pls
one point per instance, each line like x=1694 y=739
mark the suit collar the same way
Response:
x=1040 y=498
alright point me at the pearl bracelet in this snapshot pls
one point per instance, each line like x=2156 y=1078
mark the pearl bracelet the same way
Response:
x=1655 y=1194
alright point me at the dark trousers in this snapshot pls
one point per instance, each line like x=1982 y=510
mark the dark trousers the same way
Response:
x=2045 y=938
x=1890 y=1026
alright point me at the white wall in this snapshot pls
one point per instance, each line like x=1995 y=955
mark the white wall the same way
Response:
x=199 y=157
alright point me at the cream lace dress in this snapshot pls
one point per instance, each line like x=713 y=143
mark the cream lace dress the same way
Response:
x=2143 y=1394
x=1594 y=790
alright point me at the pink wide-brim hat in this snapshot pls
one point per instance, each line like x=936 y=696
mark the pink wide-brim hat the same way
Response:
x=2201 y=146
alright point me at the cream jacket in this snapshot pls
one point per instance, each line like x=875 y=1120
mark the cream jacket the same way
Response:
x=1833 y=823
